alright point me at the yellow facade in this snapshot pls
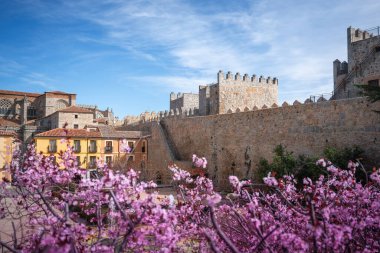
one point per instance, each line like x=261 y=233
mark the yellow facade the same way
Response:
x=6 y=150
x=86 y=153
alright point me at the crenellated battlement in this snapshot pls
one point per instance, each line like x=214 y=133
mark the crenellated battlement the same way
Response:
x=229 y=78
x=356 y=34
x=193 y=112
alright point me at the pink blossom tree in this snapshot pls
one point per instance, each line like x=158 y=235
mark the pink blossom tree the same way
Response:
x=62 y=211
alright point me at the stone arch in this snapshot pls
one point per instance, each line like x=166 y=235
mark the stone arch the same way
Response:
x=61 y=104
x=246 y=109
x=229 y=111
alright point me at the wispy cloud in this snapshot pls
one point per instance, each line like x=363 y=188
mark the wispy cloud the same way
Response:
x=11 y=68
x=293 y=40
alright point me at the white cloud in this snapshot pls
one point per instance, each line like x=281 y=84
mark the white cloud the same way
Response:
x=11 y=68
x=295 y=41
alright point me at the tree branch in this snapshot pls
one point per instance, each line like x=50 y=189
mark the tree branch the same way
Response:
x=220 y=232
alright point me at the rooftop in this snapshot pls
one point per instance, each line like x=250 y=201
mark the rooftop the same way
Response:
x=63 y=132
x=7 y=133
x=19 y=93
x=9 y=122
x=75 y=109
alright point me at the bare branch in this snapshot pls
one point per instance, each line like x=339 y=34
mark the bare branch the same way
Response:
x=212 y=243
x=8 y=248
x=221 y=233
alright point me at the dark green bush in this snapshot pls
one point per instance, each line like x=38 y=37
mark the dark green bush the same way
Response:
x=285 y=163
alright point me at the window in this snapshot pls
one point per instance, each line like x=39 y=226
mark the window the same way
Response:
x=377 y=49
x=131 y=158
x=78 y=161
x=92 y=148
x=143 y=147
x=109 y=160
x=76 y=146
x=52 y=148
x=131 y=144
x=373 y=83
x=92 y=162
x=31 y=112
x=108 y=147
x=76 y=116
x=76 y=126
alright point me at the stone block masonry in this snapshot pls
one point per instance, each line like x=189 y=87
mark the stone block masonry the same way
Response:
x=183 y=101
x=234 y=143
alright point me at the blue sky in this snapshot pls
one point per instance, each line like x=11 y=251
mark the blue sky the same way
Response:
x=129 y=55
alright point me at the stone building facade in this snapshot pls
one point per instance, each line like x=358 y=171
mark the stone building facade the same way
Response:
x=25 y=106
x=73 y=117
x=363 y=63
x=29 y=113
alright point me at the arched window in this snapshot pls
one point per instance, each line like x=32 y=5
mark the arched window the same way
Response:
x=61 y=104
x=5 y=106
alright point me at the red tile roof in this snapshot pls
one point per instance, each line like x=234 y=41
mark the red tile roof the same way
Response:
x=75 y=109
x=19 y=93
x=9 y=122
x=7 y=133
x=62 y=132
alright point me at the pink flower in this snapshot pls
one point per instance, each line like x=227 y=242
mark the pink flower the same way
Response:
x=199 y=162
x=213 y=199
x=269 y=180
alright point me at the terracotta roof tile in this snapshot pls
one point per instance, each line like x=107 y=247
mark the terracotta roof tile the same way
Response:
x=7 y=133
x=9 y=122
x=62 y=132
x=75 y=109
x=19 y=93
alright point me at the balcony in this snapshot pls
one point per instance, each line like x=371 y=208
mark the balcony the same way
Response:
x=76 y=149
x=52 y=149
x=92 y=165
x=108 y=149
x=92 y=149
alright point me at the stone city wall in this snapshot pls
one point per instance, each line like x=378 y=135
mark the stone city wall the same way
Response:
x=234 y=143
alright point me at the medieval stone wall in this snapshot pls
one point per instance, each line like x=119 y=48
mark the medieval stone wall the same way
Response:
x=184 y=101
x=234 y=143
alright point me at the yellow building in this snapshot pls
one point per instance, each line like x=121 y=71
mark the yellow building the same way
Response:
x=6 y=150
x=93 y=143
